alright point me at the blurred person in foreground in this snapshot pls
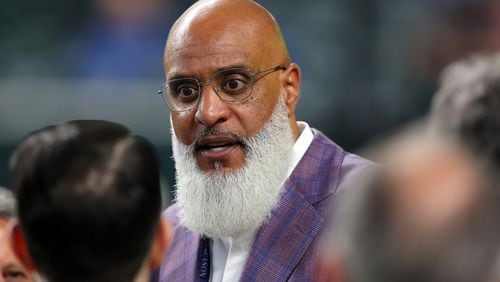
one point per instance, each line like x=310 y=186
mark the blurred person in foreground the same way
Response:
x=11 y=268
x=467 y=106
x=253 y=184
x=89 y=203
x=431 y=215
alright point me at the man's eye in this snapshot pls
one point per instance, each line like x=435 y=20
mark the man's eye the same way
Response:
x=13 y=276
x=234 y=86
x=186 y=92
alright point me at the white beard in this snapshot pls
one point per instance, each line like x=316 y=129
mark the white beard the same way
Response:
x=229 y=204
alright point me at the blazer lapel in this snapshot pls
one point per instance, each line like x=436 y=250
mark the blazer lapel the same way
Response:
x=181 y=262
x=281 y=243
x=295 y=223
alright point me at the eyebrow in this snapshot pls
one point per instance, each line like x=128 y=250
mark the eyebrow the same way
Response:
x=228 y=67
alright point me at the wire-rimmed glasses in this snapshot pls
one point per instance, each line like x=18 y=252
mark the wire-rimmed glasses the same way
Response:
x=231 y=85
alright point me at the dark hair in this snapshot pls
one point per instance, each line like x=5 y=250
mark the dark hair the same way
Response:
x=468 y=105
x=88 y=200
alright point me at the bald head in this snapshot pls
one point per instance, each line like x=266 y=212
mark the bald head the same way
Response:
x=242 y=24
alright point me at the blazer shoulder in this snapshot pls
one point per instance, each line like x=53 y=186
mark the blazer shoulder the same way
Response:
x=353 y=168
x=328 y=164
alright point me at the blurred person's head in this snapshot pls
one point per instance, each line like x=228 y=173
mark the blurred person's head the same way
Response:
x=429 y=215
x=467 y=105
x=12 y=270
x=232 y=91
x=89 y=203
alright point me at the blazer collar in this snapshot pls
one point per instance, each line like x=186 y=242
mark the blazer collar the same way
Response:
x=282 y=241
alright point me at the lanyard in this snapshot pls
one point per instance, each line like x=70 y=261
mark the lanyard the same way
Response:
x=204 y=260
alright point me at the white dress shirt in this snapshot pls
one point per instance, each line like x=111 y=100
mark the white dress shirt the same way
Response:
x=230 y=254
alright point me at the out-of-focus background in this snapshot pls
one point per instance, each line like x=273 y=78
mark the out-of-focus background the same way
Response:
x=368 y=65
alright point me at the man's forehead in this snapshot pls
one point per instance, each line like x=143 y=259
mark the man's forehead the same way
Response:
x=207 y=35
x=201 y=49
x=199 y=59
x=212 y=37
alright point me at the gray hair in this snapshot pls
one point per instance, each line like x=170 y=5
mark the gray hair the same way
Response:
x=467 y=105
x=7 y=203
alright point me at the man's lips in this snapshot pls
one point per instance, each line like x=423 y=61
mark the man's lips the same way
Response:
x=216 y=147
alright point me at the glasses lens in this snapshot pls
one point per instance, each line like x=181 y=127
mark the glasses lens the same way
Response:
x=181 y=94
x=234 y=84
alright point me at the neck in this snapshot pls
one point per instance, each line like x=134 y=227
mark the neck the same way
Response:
x=295 y=128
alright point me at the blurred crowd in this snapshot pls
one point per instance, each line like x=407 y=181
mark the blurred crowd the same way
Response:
x=428 y=212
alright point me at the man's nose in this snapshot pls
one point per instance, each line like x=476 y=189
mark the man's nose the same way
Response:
x=211 y=109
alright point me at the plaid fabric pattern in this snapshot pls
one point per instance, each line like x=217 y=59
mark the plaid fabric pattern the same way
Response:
x=285 y=248
x=180 y=262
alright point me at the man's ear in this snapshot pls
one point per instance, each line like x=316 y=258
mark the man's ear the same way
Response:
x=291 y=81
x=18 y=245
x=160 y=244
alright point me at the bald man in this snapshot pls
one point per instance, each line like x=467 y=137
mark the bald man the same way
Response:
x=253 y=184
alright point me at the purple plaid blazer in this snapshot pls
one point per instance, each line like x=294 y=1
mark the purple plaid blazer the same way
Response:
x=286 y=246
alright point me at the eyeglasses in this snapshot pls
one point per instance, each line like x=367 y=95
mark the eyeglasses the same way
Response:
x=231 y=85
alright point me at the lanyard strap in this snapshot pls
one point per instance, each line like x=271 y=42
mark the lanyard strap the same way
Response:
x=204 y=260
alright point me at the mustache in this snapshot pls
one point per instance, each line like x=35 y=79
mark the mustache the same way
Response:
x=215 y=132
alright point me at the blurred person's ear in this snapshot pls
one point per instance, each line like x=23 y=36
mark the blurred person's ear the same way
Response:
x=329 y=270
x=18 y=244
x=160 y=244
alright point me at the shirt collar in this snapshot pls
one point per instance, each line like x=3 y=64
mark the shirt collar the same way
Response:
x=301 y=145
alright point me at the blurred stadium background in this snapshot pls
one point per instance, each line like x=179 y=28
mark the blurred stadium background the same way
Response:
x=368 y=65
